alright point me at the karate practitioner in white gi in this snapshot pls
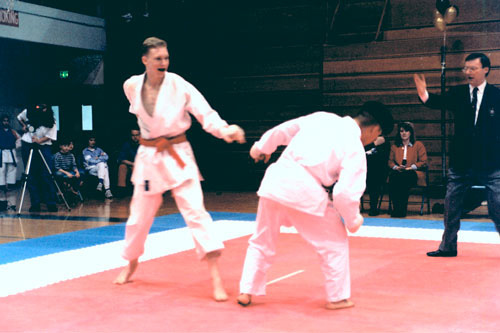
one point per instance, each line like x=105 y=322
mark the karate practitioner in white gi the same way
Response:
x=163 y=103
x=322 y=150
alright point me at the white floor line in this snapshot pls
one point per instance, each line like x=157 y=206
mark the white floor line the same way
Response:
x=285 y=277
x=467 y=236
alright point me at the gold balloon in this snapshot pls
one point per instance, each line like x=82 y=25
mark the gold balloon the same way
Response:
x=450 y=14
x=440 y=23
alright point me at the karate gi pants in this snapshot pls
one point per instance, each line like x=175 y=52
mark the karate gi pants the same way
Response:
x=189 y=199
x=326 y=234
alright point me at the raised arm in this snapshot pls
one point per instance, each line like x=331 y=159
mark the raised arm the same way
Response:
x=421 y=86
x=448 y=100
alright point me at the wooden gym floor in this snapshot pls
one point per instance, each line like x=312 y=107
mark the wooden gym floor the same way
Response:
x=97 y=213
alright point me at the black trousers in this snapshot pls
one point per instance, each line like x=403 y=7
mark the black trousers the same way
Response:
x=400 y=183
x=375 y=180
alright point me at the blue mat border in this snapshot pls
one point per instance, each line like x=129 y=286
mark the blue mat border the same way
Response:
x=64 y=218
x=31 y=248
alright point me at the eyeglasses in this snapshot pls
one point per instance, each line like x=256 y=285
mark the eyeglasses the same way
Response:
x=472 y=69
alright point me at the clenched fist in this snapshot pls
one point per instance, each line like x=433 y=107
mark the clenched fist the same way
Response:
x=233 y=133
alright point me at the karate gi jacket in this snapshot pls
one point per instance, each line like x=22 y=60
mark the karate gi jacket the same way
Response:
x=177 y=99
x=322 y=149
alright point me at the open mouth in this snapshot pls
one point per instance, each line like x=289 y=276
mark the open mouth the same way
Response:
x=161 y=69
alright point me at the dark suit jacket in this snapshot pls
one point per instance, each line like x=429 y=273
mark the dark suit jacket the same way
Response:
x=478 y=146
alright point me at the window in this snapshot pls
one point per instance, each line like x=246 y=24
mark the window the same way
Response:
x=87 y=117
x=55 y=109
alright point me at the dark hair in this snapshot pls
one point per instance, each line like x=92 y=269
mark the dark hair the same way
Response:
x=64 y=141
x=37 y=117
x=151 y=43
x=3 y=116
x=485 y=61
x=375 y=113
x=407 y=126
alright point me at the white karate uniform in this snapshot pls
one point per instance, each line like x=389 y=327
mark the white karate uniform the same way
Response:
x=155 y=172
x=322 y=149
x=8 y=168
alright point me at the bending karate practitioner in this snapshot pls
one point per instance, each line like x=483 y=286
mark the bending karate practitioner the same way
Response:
x=322 y=150
x=163 y=102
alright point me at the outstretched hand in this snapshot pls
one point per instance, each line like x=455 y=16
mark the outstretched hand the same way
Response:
x=421 y=85
x=233 y=133
x=258 y=156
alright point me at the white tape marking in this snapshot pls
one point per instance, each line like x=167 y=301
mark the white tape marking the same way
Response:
x=285 y=277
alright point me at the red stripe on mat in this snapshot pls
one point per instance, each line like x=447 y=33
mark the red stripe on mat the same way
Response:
x=396 y=288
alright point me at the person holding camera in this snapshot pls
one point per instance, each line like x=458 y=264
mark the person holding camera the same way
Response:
x=39 y=127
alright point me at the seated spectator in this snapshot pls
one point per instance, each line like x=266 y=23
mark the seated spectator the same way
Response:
x=406 y=160
x=78 y=158
x=9 y=140
x=95 y=161
x=126 y=159
x=377 y=155
x=66 y=169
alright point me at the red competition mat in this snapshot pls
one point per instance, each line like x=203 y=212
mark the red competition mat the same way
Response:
x=395 y=286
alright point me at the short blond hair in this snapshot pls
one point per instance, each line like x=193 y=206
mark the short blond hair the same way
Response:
x=151 y=43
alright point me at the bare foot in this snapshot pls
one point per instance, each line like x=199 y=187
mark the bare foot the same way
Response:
x=345 y=303
x=244 y=299
x=219 y=291
x=127 y=272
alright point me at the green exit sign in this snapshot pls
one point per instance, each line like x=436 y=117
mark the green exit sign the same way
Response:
x=63 y=74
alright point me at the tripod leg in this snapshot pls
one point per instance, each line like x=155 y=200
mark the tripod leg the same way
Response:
x=25 y=181
x=54 y=180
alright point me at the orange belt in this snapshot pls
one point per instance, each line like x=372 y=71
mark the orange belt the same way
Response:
x=162 y=143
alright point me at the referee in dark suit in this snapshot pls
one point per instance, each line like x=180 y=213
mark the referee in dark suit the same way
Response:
x=475 y=150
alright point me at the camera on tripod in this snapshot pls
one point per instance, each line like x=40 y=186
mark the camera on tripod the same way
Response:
x=29 y=127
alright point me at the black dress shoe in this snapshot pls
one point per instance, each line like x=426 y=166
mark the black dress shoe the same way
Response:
x=440 y=253
x=373 y=212
x=52 y=208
